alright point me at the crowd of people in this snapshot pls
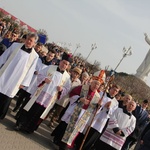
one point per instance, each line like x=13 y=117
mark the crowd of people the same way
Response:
x=86 y=112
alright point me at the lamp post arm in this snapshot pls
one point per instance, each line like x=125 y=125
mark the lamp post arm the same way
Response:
x=75 y=51
x=93 y=47
x=124 y=55
x=88 y=55
x=119 y=64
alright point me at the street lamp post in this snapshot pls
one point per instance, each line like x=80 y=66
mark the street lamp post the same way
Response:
x=93 y=46
x=126 y=52
x=77 y=46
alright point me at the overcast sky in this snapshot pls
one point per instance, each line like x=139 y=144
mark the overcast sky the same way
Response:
x=111 y=24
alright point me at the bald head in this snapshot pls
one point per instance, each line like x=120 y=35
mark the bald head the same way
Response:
x=131 y=106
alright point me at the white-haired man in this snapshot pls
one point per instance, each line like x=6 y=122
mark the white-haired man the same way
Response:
x=17 y=65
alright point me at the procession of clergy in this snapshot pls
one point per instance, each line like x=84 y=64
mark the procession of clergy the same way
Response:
x=91 y=115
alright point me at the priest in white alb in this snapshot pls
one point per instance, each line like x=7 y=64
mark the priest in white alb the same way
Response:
x=53 y=82
x=17 y=65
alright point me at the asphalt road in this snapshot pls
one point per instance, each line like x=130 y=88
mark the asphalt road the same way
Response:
x=16 y=140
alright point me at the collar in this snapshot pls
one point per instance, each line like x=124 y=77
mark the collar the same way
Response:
x=58 y=69
x=75 y=80
x=108 y=95
x=126 y=112
x=28 y=50
x=44 y=61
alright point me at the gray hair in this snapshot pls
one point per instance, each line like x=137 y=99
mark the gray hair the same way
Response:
x=129 y=96
x=33 y=35
x=85 y=74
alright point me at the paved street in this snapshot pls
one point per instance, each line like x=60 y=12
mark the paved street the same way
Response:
x=16 y=140
x=13 y=140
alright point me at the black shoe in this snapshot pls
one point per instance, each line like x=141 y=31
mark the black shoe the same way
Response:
x=16 y=117
x=66 y=148
x=17 y=128
x=55 y=141
x=15 y=109
x=28 y=132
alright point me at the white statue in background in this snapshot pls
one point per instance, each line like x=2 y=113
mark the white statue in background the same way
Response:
x=144 y=69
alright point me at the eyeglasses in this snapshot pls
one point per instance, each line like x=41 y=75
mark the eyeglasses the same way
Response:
x=57 y=50
x=14 y=35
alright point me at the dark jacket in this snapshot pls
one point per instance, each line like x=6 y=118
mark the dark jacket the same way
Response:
x=146 y=142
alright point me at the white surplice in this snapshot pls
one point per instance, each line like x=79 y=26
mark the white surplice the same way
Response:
x=124 y=122
x=34 y=85
x=47 y=96
x=65 y=100
x=18 y=71
x=103 y=113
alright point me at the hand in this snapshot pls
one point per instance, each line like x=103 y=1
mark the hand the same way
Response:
x=84 y=101
x=59 y=88
x=141 y=142
x=36 y=72
x=107 y=105
x=119 y=132
x=100 y=102
x=53 y=62
x=21 y=87
x=47 y=80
